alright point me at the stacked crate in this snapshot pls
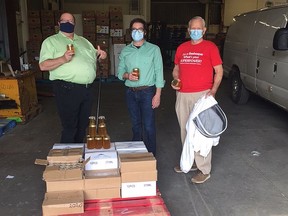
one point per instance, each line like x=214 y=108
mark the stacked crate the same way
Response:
x=47 y=23
x=102 y=29
x=116 y=24
x=89 y=26
x=64 y=181
x=35 y=39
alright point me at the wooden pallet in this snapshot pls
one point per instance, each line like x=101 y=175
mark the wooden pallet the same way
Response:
x=141 y=206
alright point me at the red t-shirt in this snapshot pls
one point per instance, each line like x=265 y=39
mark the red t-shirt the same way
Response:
x=196 y=64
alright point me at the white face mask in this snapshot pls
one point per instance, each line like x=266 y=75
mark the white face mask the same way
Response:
x=137 y=35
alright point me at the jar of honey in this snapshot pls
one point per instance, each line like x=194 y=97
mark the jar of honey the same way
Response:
x=101 y=119
x=70 y=47
x=98 y=142
x=102 y=131
x=136 y=72
x=90 y=142
x=106 y=142
x=177 y=83
x=92 y=131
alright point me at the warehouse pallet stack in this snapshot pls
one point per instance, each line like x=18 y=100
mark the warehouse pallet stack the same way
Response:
x=102 y=182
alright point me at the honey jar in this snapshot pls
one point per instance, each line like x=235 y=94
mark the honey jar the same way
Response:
x=106 y=142
x=101 y=119
x=70 y=47
x=92 y=131
x=98 y=142
x=90 y=142
x=136 y=72
x=102 y=131
x=177 y=83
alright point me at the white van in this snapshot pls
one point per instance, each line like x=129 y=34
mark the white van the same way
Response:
x=255 y=55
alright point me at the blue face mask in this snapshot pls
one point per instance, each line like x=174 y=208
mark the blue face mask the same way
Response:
x=67 y=27
x=137 y=35
x=196 y=34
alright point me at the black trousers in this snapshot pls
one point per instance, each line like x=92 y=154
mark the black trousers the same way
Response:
x=74 y=104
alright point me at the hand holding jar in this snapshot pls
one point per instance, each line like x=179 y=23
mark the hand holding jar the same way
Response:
x=135 y=74
x=176 y=84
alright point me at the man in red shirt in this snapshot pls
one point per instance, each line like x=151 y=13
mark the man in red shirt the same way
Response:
x=198 y=66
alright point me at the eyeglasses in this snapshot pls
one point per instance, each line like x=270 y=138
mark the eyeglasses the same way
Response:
x=141 y=30
x=65 y=21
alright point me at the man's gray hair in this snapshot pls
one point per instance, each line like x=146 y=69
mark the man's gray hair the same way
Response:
x=195 y=18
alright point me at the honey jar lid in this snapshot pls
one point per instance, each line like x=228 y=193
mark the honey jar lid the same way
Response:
x=102 y=125
x=106 y=137
x=98 y=137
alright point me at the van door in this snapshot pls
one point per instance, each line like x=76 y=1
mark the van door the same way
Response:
x=268 y=74
x=249 y=78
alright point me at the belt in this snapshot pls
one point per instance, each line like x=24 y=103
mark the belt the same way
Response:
x=138 y=88
x=72 y=85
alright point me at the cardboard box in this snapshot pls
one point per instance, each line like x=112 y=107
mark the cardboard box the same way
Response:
x=72 y=155
x=60 y=172
x=112 y=148
x=102 y=193
x=101 y=14
x=88 y=14
x=100 y=29
x=138 y=189
x=102 y=179
x=68 y=145
x=132 y=145
x=34 y=13
x=118 y=40
x=132 y=151
x=113 y=9
x=139 y=176
x=68 y=202
x=103 y=21
x=102 y=42
x=101 y=160
x=116 y=24
x=89 y=36
x=116 y=16
x=139 y=162
x=65 y=185
x=116 y=32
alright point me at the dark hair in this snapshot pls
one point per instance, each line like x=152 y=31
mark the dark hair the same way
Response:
x=138 y=20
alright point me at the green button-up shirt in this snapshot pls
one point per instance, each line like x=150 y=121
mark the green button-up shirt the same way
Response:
x=81 y=69
x=149 y=61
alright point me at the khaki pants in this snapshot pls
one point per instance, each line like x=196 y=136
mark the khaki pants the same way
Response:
x=183 y=106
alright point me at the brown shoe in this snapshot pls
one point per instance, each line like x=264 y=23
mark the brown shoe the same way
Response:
x=177 y=169
x=200 y=178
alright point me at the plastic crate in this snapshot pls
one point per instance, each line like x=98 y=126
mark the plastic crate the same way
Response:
x=5 y=125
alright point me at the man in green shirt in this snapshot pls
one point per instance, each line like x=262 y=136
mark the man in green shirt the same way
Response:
x=71 y=61
x=143 y=91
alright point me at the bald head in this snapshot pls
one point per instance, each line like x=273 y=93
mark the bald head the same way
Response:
x=67 y=17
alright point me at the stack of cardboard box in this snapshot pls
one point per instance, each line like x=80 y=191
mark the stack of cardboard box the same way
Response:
x=64 y=180
x=138 y=175
x=47 y=23
x=116 y=24
x=74 y=173
x=89 y=24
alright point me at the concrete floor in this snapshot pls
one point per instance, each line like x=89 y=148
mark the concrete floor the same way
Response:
x=241 y=183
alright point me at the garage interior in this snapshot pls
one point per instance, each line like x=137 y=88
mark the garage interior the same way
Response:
x=249 y=165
